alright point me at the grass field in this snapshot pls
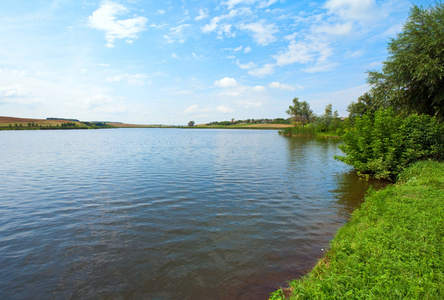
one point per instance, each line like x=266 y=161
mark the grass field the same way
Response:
x=6 y=121
x=392 y=247
x=23 y=123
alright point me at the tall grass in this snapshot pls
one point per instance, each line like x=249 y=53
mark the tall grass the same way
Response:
x=392 y=248
x=299 y=130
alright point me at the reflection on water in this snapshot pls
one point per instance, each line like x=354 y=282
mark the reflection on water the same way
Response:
x=350 y=191
x=165 y=214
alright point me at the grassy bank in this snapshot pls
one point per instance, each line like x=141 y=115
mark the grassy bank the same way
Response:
x=306 y=130
x=392 y=247
x=242 y=126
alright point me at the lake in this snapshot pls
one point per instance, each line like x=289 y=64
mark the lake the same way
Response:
x=166 y=213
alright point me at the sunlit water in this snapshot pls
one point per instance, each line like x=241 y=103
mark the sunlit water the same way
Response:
x=165 y=213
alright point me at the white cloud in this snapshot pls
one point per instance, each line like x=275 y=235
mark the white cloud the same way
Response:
x=263 y=34
x=202 y=15
x=17 y=94
x=393 y=30
x=267 y=3
x=296 y=53
x=259 y=88
x=224 y=109
x=176 y=34
x=247 y=66
x=226 y=29
x=267 y=69
x=222 y=29
x=15 y=90
x=356 y=10
x=133 y=79
x=105 y=19
x=226 y=82
x=191 y=109
x=320 y=67
x=262 y=4
x=212 y=26
x=97 y=100
x=247 y=49
x=232 y=3
x=350 y=54
x=277 y=85
x=338 y=29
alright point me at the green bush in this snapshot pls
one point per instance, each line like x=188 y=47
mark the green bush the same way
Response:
x=383 y=144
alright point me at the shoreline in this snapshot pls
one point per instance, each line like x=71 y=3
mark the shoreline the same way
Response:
x=15 y=123
x=392 y=245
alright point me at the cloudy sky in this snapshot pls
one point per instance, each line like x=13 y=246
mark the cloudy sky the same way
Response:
x=169 y=62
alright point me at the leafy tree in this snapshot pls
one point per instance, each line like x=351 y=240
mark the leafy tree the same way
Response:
x=329 y=121
x=329 y=110
x=300 y=111
x=364 y=104
x=191 y=123
x=412 y=78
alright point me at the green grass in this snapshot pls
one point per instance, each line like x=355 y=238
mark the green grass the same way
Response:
x=306 y=130
x=301 y=130
x=392 y=247
x=238 y=126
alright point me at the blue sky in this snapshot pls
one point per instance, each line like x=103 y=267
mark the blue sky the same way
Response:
x=169 y=62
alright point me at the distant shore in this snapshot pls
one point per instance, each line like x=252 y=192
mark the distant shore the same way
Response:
x=242 y=126
x=15 y=123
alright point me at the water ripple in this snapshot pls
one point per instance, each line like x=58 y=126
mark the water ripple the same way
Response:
x=165 y=214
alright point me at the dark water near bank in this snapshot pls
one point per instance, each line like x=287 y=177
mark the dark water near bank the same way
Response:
x=165 y=213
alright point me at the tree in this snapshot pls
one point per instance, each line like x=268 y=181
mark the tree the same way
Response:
x=300 y=111
x=365 y=103
x=191 y=123
x=329 y=121
x=412 y=78
x=329 y=110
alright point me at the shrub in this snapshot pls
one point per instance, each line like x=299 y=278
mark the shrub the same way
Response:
x=383 y=144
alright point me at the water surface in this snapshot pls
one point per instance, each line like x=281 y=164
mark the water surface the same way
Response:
x=165 y=213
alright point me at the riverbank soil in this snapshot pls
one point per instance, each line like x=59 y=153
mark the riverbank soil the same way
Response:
x=392 y=247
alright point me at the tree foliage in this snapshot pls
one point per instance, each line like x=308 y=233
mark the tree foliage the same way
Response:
x=384 y=143
x=364 y=104
x=329 y=121
x=300 y=111
x=412 y=78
